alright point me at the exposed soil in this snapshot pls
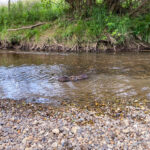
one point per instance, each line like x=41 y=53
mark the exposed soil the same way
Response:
x=100 y=46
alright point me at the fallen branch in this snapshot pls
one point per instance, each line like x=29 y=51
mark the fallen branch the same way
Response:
x=27 y=27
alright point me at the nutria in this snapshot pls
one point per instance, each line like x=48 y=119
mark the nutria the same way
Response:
x=64 y=79
x=72 y=78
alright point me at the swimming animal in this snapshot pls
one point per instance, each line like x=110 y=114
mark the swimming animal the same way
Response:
x=73 y=78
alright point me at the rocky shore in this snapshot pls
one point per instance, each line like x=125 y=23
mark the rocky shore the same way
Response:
x=43 y=127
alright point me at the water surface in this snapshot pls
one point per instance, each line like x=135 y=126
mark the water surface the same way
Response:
x=33 y=77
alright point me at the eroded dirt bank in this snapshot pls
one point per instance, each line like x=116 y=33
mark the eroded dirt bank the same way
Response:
x=100 y=46
x=36 y=126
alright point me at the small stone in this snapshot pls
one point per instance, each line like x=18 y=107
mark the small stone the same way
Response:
x=12 y=119
x=126 y=122
x=125 y=130
x=62 y=141
x=28 y=148
x=24 y=141
x=1 y=128
x=65 y=128
x=55 y=131
x=74 y=129
x=40 y=146
x=35 y=122
x=54 y=145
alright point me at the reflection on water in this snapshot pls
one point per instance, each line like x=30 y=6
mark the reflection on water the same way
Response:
x=34 y=77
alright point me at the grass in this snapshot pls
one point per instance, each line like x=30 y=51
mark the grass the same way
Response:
x=24 y=13
x=100 y=22
x=91 y=25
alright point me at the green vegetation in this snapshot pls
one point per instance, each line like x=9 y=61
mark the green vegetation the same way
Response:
x=76 y=24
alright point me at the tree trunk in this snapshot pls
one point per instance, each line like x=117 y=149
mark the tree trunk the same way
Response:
x=9 y=6
x=90 y=3
x=79 y=4
x=113 y=5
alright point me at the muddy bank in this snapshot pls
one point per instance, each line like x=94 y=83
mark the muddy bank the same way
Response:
x=100 y=46
x=31 y=126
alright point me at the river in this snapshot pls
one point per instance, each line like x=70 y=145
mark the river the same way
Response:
x=34 y=77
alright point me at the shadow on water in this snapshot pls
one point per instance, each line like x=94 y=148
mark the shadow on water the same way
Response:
x=113 y=79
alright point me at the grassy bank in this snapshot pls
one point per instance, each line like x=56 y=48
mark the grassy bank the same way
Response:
x=63 y=27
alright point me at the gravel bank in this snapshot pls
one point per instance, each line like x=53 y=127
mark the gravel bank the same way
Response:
x=39 y=127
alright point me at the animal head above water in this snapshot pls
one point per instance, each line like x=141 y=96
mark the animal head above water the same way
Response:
x=64 y=79
x=72 y=78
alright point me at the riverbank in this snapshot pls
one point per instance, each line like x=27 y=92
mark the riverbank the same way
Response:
x=56 y=28
x=50 y=37
x=37 y=126
x=99 y=47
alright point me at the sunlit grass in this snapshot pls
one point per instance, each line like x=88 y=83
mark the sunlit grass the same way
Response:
x=87 y=25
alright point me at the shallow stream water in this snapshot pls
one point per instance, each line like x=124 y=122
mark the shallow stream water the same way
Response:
x=34 y=77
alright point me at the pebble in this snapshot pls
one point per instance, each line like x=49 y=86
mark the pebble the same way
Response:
x=42 y=131
x=54 y=145
x=126 y=122
x=24 y=141
x=1 y=128
x=55 y=131
x=74 y=129
x=65 y=128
